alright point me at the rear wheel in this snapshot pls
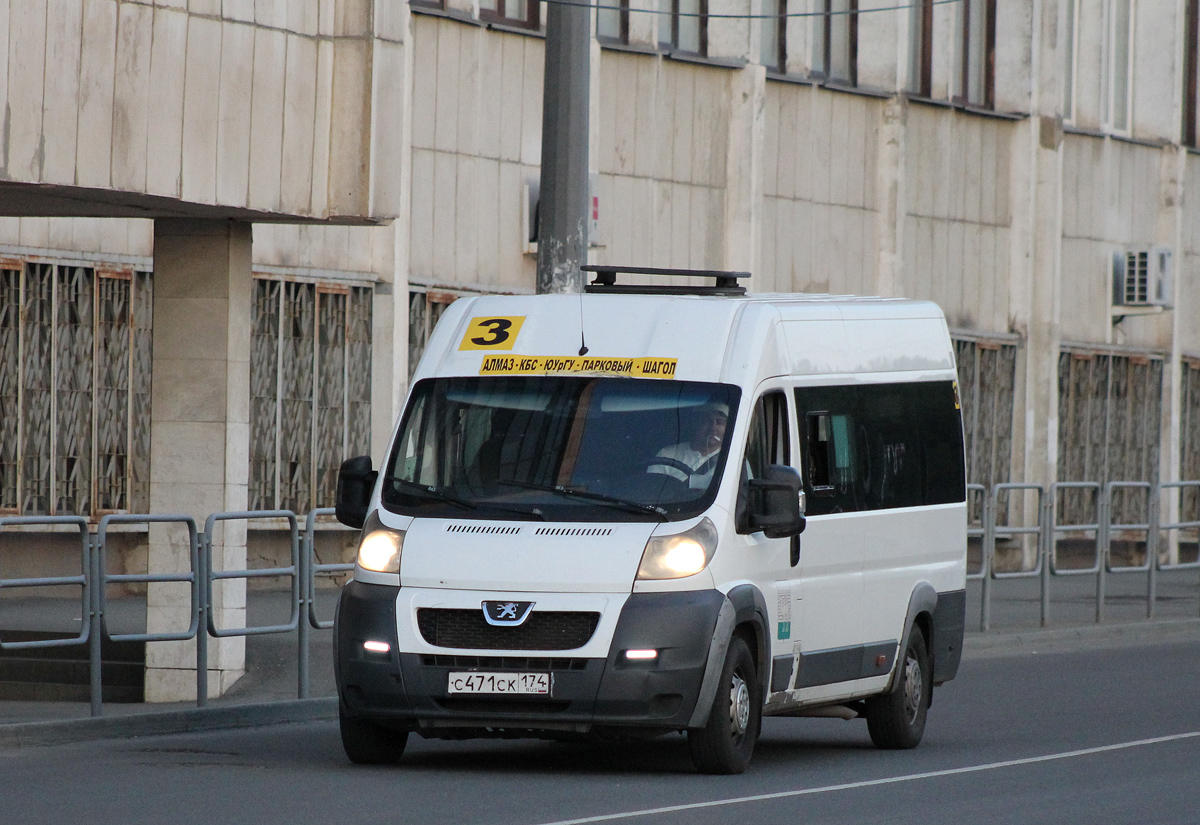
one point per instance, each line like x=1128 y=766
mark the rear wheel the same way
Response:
x=896 y=720
x=368 y=743
x=725 y=744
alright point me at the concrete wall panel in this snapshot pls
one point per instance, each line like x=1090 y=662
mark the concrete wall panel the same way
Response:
x=93 y=160
x=266 y=118
x=299 y=123
x=202 y=86
x=164 y=131
x=23 y=157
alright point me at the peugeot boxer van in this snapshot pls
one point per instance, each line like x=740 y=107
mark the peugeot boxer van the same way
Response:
x=588 y=522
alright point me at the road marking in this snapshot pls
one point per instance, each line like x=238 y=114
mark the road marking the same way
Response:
x=848 y=786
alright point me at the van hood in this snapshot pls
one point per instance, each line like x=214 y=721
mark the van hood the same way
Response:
x=523 y=556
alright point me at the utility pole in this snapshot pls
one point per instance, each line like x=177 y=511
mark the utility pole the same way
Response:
x=563 y=190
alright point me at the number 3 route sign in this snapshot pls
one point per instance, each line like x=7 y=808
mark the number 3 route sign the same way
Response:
x=492 y=333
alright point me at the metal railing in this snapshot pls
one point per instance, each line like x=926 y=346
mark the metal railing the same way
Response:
x=992 y=531
x=200 y=575
x=1039 y=521
x=1102 y=532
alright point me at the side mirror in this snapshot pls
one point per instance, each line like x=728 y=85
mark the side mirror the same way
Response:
x=773 y=503
x=355 y=482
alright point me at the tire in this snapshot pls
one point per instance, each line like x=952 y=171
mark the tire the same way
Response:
x=896 y=720
x=368 y=743
x=724 y=745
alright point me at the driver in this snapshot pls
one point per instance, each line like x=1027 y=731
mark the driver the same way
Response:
x=694 y=460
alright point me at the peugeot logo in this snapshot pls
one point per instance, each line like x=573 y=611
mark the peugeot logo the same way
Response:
x=506 y=614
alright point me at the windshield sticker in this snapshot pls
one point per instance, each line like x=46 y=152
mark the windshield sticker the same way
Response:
x=492 y=333
x=559 y=365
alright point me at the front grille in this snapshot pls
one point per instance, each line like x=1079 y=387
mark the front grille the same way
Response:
x=503 y=662
x=543 y=630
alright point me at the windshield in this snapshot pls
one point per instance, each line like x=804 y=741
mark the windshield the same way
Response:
x=560 y=448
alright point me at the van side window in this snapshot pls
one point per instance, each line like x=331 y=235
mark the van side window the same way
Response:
x=768 y=442
x=830 y=466
x=877 y=447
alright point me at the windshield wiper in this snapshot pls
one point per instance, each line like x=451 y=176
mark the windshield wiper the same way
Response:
x=450 y=498
x=601 y=498
x=434 y=492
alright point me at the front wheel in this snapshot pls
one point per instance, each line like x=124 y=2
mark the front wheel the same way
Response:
x=725 y=744
x=896 y=720
x=367 y=743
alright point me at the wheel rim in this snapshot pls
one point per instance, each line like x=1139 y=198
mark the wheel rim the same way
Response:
x=739 y=706
x=914 y=688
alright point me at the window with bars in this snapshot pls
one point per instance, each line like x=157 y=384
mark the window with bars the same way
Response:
x=525 y=14
x=1109 y=413
x=75 y=361
x=977 y=31
x=425 y=307
x=835 y=41
x=987 y=374
x=920 y=48
x=774 y=36
x=310 y=390
x=612 y=21
x=683 y=26
x=1070 y=46
x=1120 y=64
x=1191 y=67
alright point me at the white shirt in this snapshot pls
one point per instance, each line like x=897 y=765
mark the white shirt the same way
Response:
x=690 y=466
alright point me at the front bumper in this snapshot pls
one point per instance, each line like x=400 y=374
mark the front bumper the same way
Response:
x=410 y=689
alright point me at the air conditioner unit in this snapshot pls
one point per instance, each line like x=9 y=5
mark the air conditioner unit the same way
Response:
x=1141 y=277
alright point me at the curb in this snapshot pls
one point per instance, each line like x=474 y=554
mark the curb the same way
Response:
x=191 y=720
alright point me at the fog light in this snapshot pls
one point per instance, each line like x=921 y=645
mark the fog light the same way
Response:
x=377 y=647
x=641 y=655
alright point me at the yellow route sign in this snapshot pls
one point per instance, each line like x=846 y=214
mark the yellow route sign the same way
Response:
x=494 y=333
x=569 y=364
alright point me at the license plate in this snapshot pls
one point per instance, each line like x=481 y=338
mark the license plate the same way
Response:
x=499 y=683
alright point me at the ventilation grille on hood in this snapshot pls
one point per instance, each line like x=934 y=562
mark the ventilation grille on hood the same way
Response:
x=573 y=531
x=482 y=528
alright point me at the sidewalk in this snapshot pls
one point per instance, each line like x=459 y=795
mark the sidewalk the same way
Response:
x=266 y=695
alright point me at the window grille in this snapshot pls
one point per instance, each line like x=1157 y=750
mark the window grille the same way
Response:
x=987 y=374
x=1189 y=437
x=75 y=360
x=425 y=308
x=1109 y=411
x=310 y=390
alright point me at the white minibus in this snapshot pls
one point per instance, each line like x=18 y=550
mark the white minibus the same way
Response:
x=588 y=522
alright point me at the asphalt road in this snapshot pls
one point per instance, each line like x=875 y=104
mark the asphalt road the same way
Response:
x=1095 y=736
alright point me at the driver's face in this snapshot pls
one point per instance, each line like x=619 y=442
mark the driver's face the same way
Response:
x=710 y=430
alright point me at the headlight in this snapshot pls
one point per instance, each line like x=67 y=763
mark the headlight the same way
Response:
x=681 y=555
x=380 y=551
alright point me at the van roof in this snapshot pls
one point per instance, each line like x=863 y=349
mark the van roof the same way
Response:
x=731 y=339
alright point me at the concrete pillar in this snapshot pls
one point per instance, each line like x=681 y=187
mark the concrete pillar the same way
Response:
x=1037 y=254
x=744 y=168
x=892 y=208
x=200 y=437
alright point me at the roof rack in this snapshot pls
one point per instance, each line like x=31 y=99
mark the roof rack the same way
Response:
x=606 y=281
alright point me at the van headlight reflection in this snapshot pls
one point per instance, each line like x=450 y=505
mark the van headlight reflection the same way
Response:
x=678 y=556
x=380 y=551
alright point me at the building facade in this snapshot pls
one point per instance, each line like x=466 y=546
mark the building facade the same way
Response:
x=227 y=227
